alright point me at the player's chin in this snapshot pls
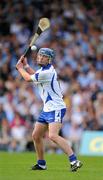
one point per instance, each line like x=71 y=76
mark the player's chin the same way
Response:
x=40 y=64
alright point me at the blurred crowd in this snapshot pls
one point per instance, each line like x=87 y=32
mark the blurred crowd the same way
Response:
x=76 y=35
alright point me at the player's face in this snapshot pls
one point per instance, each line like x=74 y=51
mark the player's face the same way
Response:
x=42 y=60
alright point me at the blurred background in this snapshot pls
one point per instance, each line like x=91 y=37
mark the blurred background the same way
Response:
x=76 y=35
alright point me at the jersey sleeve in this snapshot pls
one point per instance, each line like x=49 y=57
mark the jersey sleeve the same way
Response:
x=41 y=77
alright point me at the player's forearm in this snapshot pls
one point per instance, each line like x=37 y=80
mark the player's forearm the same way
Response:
x=29 y=69
x=25 y=74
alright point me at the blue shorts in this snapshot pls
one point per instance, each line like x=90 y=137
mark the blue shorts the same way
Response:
x=52 y=116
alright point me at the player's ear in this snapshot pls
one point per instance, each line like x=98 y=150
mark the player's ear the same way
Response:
x=49 y=60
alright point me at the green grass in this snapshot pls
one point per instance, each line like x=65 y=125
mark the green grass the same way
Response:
x=15 y=166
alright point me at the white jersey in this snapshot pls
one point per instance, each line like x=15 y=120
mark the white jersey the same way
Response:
x=46 y=80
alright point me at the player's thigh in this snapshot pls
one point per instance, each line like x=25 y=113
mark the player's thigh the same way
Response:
x=54 y=128
x=39 y=130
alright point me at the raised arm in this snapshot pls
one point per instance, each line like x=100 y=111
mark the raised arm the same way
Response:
x=24 y=69
x=26 y=65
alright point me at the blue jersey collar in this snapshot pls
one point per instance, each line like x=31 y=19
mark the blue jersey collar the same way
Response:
x=46 y=67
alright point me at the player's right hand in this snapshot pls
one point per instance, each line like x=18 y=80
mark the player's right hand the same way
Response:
x=20 y=62
x=19 y=65
x=23 y=60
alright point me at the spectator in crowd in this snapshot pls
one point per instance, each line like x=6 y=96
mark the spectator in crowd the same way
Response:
x=18 y=134
x=4 y=130
x=99 y=110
